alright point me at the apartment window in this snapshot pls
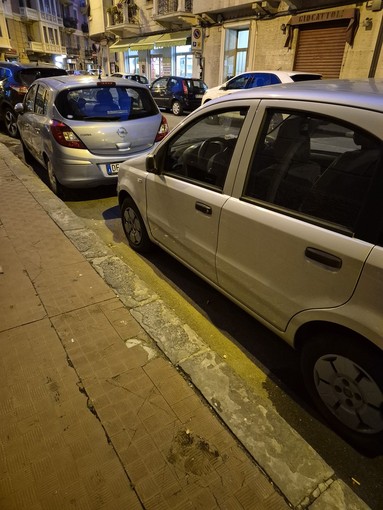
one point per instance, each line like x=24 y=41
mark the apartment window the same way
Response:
x=235 y=55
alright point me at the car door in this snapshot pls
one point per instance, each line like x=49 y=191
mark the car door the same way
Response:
x=184 y=203
x=290 y=239
x=39 y=122
x=25 y=121
x=158 y=89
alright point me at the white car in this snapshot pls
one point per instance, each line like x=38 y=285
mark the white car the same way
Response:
x=253 y=79
x=274 y=196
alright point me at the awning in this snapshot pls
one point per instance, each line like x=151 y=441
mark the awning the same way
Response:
x=174 y=39
x=135 y=43
x=149 y=42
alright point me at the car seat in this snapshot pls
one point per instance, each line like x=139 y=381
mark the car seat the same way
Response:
x=105 y=101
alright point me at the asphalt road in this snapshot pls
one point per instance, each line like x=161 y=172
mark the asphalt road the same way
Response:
x=261 y=358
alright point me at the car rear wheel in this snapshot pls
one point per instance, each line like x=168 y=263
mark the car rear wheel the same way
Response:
x=344 y=377
x=10 y=122
x=177 y=108
x=54 y=184
x=134 y=227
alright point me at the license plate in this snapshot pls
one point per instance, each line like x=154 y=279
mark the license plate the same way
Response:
x=112 y=168
x=198 y=96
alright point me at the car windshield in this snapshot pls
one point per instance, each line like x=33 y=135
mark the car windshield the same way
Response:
x=28 y=76
x=105 y=103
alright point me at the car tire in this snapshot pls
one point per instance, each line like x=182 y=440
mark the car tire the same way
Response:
x=28 y=158
x=177 y=108
x=343 y=374
x=57 y=188
x=134 y=227
x=10 y=122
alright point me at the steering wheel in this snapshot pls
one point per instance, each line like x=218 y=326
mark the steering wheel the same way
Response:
x=210 y=147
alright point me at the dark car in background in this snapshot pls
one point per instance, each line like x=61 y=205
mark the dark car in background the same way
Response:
x=177 y=94
x=15 y=79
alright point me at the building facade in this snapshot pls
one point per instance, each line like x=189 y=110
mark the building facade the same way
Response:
x=213 y=40
x=46 y=31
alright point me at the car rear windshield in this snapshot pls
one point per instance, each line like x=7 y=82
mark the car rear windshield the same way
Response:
x=305 y=77
x=197 y=86
x=28 y=76
x=106 y=103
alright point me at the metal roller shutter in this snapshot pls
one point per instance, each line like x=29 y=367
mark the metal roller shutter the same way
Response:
x=320 y=48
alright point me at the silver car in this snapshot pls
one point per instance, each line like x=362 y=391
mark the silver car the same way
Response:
x=81 y=128
x=274 y=196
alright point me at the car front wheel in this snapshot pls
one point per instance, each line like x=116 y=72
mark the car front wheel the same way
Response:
x=177 y=108
x=134 y=227
x=10 y=122
x=343 y=374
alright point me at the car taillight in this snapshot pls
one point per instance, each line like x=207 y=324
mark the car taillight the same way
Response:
x=163 y=130
x=65 y=136
x=184 y=87
x=21 y=89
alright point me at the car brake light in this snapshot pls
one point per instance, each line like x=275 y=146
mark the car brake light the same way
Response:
x=163 y=130
x=65 y=136
x=21 y=89
x=184 y=87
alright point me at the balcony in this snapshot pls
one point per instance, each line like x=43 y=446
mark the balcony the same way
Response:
x=174 y=12
x=28 y=15
x=70 y=24
x=85 y=28
x=39 y=47
x=72 y=51
x=122 y=19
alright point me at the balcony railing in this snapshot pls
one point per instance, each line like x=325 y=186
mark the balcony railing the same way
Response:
x=172 y=6
x=123 y=14
x=85 y=28
x=70 y=22
x=73 y=51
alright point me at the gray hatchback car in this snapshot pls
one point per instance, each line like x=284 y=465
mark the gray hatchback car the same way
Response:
x=80 y=128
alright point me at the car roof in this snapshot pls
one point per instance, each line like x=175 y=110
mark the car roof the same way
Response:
x=280 y=74
x=367 y=94
x=68 y=81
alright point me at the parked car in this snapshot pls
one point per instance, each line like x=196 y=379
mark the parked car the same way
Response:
x=135 y=77
x=274 y=196
x=15 y=78
x=81 y=128
x=177 y=94
x=253 y=79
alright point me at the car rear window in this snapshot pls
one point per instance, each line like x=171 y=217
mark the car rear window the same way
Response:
x=28 y=76
x=106 y=103
x=306 y=77
x=196 y=86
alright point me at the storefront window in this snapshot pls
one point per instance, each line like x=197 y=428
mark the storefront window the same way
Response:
x=131 y=62
x=184 y=61
x=236 y=44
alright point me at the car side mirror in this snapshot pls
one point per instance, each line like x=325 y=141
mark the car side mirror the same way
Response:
x=19 y=108
x=151 y=164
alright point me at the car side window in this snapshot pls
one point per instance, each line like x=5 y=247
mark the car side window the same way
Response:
x=29 y=101
x=240 y=82
x=201 y=153
x=313 y=165
x=41 y=100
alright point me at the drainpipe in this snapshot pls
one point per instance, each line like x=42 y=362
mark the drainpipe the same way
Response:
x=377 y=50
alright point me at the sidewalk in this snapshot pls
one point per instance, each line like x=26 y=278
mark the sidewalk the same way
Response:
x=97 y=411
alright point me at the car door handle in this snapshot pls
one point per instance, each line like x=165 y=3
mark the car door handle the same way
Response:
x=206 y=209
x=323 y=258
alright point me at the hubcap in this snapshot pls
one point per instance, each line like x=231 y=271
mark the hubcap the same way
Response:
x=350 y=393
x=132 y=226
x=10 y=122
